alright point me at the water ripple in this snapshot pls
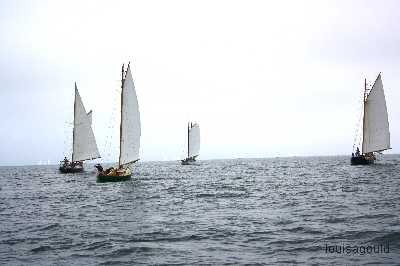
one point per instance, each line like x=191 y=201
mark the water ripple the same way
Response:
x=281 y=211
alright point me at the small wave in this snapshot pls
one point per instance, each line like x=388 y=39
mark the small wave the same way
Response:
x=97 y=245
x=376 y=216
x=287 y=262
x=28 y=240
x=353 y=235
x=259 y=236
x=334 y=220
x=205 y=195
x=392 y=238
x=230 y=194
x=251 y=172
x=292 y=242
x=295 y=229
x=11 y=241
x=169 y=239
x=45 y=227
x=312 y=248
x=350 y=189
x=304 y=230
x=125 y=251
x=95 y=235
x=41 y=249
x=283 y=222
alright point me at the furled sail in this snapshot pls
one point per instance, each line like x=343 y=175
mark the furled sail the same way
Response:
x=194 y=140
x=376 y=136
x=84 y=142
x=130 y=122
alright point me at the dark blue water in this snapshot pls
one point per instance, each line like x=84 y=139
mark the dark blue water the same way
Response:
x=247 y=211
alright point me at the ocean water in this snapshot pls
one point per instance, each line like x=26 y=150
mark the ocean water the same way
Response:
x=278 y=211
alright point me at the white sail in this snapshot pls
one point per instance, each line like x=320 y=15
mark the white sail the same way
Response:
x=84 y=142
x=130 y=122
x=194 y=140
x=376 y=136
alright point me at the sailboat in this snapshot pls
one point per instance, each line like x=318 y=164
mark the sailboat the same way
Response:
x=375 y=130
x=193 y=143
x=84 y=145
x=129 y=138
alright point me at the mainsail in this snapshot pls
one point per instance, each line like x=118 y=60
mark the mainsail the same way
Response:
x=376 y=135
x=130 y=122
x=84 y=142
x=194 y=140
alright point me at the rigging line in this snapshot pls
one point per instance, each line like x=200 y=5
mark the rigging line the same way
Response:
x=109 y=139
x=357 y=137
x=358 y=124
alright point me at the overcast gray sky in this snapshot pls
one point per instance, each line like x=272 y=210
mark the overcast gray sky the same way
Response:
x=263 y=78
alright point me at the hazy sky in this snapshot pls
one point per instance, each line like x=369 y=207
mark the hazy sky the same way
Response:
x=263 y=78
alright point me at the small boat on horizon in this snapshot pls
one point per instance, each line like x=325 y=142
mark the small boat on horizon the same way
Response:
x=193 y=143
x=84 y=145
x=375 y=125
x=130 y=131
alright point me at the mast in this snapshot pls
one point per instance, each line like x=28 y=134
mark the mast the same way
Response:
x=364 y=100
x=73 y=129
x=120 y=125
x=188 y=139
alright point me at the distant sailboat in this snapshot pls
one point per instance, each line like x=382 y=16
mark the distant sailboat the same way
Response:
x=84 y=145
x=375 y=131
x=129 y=133
x=193 y=143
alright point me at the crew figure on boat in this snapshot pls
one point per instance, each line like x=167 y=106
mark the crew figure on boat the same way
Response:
x=100 y=169
x=70 y=167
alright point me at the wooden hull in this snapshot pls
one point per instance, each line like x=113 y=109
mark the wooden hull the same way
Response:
x=113 y=178
x=361 y=160
x=68 y=169
x=113 y=175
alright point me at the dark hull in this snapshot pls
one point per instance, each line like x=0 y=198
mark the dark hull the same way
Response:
x=66 y=170
x=112 y=178
x=361 y=160
x=188 y=162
